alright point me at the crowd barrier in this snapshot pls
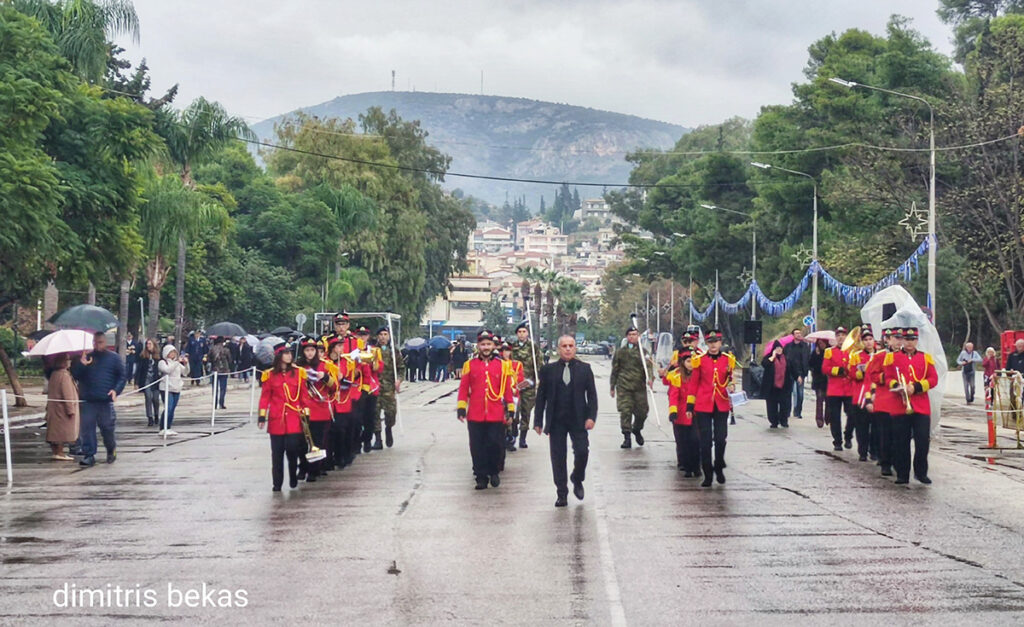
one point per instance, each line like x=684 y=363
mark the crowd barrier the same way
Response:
x=214 y=378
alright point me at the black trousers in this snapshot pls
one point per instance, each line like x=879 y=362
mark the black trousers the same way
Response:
x=712 y=427
x=486 y=445
x=557 y=437
x=777 y=406
x=341 y=440
x=369 y=417
x=281 y=446
x=862 y=428
x=907 y=427
x=687 y=447
x=356 y=421
x=881 y=429
x=835 y=405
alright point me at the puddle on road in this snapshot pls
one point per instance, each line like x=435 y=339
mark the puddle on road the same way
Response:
x=832 y=455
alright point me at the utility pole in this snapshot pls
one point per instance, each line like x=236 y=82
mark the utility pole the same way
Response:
x=392 y=80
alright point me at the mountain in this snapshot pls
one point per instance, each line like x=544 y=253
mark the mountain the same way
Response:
x=513 y=137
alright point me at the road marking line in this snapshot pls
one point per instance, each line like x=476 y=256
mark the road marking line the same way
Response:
x=611 y=582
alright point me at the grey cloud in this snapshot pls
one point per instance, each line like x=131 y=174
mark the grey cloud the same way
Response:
x=687 y=61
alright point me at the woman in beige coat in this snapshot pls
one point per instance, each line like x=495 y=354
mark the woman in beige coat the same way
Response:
x=61 y=409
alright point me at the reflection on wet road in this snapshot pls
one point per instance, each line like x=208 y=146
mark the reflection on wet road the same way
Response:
x=798 y=534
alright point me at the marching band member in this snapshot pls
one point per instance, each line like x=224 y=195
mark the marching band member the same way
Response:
x=683 y=428
x=860 y=393
x=282 y=404
x=485 y=402
x=882 y=404
x=341 y=332
x=514 y=373
x=835 y=365
x=909 y=374
x=342 y=403
x=710 y=403
x=371 y=368
x=322 y=379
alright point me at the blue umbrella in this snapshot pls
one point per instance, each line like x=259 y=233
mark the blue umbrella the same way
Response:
x=439 y=342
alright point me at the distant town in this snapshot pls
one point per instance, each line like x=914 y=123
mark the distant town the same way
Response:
x=498 y=253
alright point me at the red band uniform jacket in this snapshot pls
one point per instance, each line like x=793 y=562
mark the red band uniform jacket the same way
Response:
x=484 y=390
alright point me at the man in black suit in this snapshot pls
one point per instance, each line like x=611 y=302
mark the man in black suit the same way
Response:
x=568 y=396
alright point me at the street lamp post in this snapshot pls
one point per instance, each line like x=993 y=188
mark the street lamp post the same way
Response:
x=931 y=183
x=814 y=236
x=753 y=270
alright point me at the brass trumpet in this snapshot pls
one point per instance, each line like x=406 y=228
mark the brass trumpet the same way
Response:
x=314 y=454
x=906 y=395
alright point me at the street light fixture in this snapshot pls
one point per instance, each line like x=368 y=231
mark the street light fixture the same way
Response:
x=931 y=184
x=814 y=235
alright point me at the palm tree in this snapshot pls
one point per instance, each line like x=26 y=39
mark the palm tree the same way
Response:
x=193 y=136
x=83 y=29
x=171 y=213
x=569 y=293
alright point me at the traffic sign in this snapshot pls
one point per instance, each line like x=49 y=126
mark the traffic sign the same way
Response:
x=808 y=321
x=300 y=319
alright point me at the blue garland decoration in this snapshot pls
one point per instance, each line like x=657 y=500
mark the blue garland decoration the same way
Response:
x=848 y=294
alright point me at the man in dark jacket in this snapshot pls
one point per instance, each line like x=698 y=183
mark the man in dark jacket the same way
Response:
x=568 y=395
x=798 y=355
x=1015 y=361
x=100 y=376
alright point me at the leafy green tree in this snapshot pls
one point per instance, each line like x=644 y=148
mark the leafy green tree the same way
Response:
x=970 y=18
x=495 y=318
x=82 y=29
x=171 y=214
x=195 y=135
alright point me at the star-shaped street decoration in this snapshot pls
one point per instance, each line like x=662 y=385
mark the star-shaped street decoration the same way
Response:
x=915 y=221
x=746 y=276
x=804 y=256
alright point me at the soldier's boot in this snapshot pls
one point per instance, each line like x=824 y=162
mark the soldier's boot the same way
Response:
x=377 y=444
x=627 y=442
x=639 y=437
x=522 y=440
x=389 y=438
x=510 y=442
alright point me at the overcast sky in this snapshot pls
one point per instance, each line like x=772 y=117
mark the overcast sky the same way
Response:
x=685 y=61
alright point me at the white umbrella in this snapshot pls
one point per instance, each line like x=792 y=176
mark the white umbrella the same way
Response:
x=63 y=341
x=252 y=340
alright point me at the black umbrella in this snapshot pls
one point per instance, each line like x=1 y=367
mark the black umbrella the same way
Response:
x=38 y=335
x=86 y=318
x=284 y=332
x=226 y=329
x=264 y=352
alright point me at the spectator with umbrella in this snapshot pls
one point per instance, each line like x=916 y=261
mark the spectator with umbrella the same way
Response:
x=100 y=376
x=62 y=414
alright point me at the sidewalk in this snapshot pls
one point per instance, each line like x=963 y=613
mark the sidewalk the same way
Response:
x=36 y=412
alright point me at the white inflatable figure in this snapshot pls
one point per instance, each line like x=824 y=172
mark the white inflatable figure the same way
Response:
x=663 y=354
x=909 y=314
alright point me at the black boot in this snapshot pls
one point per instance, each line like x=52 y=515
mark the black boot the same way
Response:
x=377 y=444
x=627 y=442
x=639 y=437
x=389 y=439
x=510 y=443
x=522 y=440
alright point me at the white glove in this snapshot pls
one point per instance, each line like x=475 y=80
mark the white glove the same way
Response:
x=356 y=356
x=313 y=375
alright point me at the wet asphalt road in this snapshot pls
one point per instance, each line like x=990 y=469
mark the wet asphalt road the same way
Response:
x=797 y=535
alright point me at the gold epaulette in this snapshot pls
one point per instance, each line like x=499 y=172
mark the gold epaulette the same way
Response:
x=828 y=353
x=888 y=359
x=674 y=377
x=465 y=366
x=695 y=361
x=265 y=375
x=732 y=361
x=928 y=359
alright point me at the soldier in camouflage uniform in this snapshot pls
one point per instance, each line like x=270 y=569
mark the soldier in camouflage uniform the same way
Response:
x=388 y=387
x=521 y=350
x=627 y=381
